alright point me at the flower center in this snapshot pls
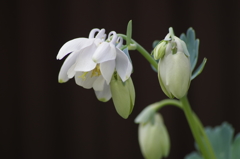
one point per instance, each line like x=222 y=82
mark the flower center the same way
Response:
x=95 y=72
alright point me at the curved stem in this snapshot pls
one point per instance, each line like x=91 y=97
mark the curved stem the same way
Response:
x=143 y=52
x=147 y=112
x=194 y=121
x=166 y=102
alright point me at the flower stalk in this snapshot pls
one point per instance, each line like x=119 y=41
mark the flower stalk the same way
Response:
x=193 y=126
x=141 y=50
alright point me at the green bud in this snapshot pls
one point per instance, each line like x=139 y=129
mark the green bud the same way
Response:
x=153 y=138
x=123 y=95
x=159 y=50
x=174 y=69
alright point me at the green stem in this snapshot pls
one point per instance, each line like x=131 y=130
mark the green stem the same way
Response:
x=166 y=102
x=194 y=122
x=143 y=52
x=198 y=124
x=207 y=142
x=194 y=127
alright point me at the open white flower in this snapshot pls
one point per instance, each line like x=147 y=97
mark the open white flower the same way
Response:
x=93 y=61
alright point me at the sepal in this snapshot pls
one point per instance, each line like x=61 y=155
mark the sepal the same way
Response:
x=123 y=95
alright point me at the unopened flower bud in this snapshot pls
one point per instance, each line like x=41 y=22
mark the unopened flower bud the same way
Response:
x=153 y=138
x=174 y=69
x=159 y=50
x=123 y=95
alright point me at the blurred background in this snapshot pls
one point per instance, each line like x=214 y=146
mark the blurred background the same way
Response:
x=42 y=119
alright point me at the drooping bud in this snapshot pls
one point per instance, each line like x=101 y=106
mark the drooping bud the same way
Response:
x=174 y=69
x=153 y=138
x=123 y=95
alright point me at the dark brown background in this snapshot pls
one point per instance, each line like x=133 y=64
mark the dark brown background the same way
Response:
x=41 y=119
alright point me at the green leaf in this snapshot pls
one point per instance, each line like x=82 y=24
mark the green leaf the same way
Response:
x=129 y=32
x=193 y=155
x=199 y=69
x=192 y=46
x=235 y=149
x=221 y=139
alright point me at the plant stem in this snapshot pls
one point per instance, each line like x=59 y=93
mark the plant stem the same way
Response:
x=167 y=102
x=144 y=52
x=198 y=125
x=194 y=127
x=194 y=123
x=207 y=142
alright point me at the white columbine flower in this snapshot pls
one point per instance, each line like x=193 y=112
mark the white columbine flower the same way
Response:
x=93 y=61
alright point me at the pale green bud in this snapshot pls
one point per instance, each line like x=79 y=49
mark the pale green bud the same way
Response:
x=153 y=138
x=123 y=95
x=174 y=69
x=159 y=50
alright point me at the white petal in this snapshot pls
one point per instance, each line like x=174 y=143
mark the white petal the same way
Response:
x=84 y=61
x=107 y=68
x=71 y=72
x=73 y=45
x=104 y=95
x=63 y=77
x=93 y=32
x=99 y=84
x=86 y=82
x=104 y=52
x=123 y=65
x=101 y=34
x=98 y=41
